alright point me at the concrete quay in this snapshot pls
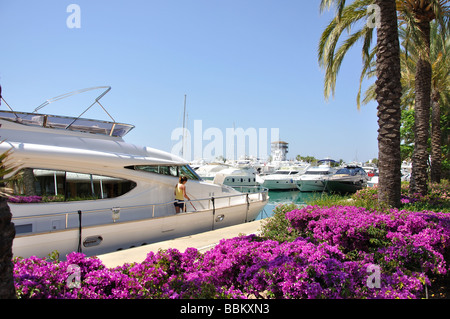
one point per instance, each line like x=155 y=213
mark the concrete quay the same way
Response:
x=202 y=242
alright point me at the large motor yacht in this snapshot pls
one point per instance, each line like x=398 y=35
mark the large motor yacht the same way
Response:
x=284 y=178
x=315 y=177
x=80 y=187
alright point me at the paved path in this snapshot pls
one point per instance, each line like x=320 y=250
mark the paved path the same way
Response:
x=202 y=242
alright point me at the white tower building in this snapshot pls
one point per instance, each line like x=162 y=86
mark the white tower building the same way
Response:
x=279 y=150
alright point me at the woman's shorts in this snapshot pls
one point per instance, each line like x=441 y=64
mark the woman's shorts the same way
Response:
x=179 y=203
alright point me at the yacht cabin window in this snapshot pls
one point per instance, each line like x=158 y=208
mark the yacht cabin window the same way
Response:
x=317 y=173
x=44 y=185
x=171 y=170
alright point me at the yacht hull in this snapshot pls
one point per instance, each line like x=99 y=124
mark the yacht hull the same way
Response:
x=311 y=186
x=345 y=186
x=280 y=184
x=95 y=240
x=347 y=180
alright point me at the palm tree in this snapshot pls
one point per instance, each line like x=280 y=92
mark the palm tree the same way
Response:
x=440 y=86
x=440 y=94
x=388 y=86
x=388 y=94
x=7 y=233
x=418 y=14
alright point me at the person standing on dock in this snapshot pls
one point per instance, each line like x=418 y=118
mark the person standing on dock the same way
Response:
x=180 y=194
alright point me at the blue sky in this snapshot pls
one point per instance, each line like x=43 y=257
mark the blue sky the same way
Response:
x=241 y=63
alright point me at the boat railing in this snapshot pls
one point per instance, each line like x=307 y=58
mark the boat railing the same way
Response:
x=73 y=219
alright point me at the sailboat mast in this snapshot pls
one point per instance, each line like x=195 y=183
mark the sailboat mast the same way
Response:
x=184 y=126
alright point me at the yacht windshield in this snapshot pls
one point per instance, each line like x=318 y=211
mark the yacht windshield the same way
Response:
x=171 y=170
x=350 y=171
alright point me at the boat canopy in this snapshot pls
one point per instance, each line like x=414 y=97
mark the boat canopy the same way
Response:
x=68 y=123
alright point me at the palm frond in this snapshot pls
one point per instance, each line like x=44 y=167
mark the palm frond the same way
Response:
x=326 y=4
x=332 y=50
x=412 y=13
x=368 y=71
x=6 y=168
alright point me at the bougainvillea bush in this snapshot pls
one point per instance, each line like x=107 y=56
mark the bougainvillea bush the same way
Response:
x=437 y=198
x=333 y=256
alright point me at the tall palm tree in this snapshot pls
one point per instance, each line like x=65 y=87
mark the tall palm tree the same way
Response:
x=388 y=86
x=388 y=94
x=440 y=86
x=440 y=95
x=418 y=14
x=7 y=233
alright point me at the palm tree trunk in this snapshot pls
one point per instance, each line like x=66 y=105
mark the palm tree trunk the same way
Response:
x=388 y=92
x=422 y=117
x=7 y=233
x=436 y=138
x=28 y=182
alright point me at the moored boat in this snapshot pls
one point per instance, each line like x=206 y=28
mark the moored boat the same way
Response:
x=315 y=177
x=284 y=178
x=347 y=180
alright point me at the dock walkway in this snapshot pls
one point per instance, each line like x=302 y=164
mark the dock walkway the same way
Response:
x=202 y=242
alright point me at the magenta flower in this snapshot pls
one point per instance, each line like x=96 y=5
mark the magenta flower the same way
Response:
x=329 y=260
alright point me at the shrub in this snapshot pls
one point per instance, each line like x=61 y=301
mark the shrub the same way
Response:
x=277 y=227
x=330 y=258
x=437 y=199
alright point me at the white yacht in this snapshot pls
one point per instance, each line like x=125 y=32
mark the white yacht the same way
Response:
x=208 y=171
x=236 y=177
x=94 y=193
x=315 y=177
x=284 y=178
x=225 y=174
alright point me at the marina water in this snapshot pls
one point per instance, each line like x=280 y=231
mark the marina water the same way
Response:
x=277 y=197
